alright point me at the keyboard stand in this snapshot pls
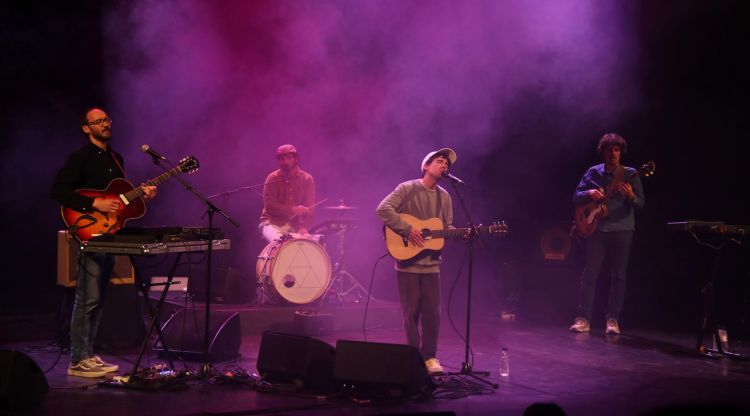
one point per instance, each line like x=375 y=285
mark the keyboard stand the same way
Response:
x=133 y=250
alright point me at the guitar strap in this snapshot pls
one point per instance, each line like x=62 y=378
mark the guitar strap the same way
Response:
x=117 y=162
x=438 y=205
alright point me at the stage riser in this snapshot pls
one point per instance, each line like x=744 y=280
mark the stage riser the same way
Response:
x=256 y=319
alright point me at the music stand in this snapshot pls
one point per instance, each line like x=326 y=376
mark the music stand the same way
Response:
x=466 y=367
x=211 y=209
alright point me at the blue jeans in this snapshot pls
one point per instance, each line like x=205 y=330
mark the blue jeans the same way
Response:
x=616 y=246
x=94 y=271
x=419 y=294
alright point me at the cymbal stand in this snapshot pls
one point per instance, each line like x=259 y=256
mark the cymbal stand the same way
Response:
x=340 y=274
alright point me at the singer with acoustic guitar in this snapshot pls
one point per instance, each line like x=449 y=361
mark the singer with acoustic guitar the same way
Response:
x=618 y=190
x=419 y=276
x=93 y=166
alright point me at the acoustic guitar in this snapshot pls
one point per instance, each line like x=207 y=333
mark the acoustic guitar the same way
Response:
x=400 y=248
x=587 y=215
x=84 y=225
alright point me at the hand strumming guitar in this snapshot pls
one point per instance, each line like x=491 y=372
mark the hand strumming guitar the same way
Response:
x=415 y=237
x=596 y=194
x=106 y=204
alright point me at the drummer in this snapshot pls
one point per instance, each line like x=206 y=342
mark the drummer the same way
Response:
x=288 y=198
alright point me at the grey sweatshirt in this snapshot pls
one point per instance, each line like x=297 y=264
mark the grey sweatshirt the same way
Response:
x=411 y=197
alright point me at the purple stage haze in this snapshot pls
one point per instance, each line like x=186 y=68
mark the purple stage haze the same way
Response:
x=363 y=89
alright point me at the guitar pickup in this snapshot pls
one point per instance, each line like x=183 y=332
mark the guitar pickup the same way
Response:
x=124 y=200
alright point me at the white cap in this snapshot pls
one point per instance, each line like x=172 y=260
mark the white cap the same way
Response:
x=446 y=151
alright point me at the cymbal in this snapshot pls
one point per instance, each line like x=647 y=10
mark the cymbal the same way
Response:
x=342 y=208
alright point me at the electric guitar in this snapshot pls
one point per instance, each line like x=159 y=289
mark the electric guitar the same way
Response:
x=85 y=225
x=434 y=234
x=587 y=215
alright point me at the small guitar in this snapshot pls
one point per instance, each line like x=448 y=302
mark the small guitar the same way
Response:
x=90 y=224
x=587 y=215
x=434 y=234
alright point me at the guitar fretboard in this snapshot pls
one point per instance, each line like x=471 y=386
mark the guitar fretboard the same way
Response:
x=138 y=191
x=457 y=232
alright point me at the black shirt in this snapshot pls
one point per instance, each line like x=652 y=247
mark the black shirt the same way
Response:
x=87 y=168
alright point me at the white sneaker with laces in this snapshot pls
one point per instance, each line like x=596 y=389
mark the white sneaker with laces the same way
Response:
x=103 y=365
x=434 y=367
x=85 y=368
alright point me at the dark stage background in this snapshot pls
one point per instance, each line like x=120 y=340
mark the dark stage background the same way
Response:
x=364 y=91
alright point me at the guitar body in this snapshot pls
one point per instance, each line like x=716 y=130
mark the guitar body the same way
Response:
x=587 y=217
x=402 y=249
x=85 y=225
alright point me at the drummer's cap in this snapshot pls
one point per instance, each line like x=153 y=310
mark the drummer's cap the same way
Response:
x=445 y=152
x=286 y=149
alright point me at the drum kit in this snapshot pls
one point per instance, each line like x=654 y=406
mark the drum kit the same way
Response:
x=297 y=268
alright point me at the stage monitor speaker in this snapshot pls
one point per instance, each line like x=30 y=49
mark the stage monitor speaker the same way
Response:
x=386 y=370
x=296 y=359
x=22 y=383
x=184 y=331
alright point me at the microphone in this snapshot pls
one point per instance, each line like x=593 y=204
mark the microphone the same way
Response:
x=152 y=152
x=450 y=176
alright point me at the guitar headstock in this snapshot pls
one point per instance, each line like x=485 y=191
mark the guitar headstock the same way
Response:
x=188 y=164
x=647 y=169
x=499 y=228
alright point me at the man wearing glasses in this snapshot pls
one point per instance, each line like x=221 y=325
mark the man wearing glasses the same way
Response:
x=93 y=166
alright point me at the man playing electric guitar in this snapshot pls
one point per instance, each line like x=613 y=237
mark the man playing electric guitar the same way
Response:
x=622 y=189
x=92 y=166
x=419 y=277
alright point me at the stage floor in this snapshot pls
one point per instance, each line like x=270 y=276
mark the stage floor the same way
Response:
x=636 y=373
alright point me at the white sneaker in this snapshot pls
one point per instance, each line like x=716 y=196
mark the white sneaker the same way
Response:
x=613 y=327
x=103 y=365
x=85 y=368
x=581 y=324
x=434 y=367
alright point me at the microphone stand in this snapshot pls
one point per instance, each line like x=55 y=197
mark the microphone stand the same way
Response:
x=466 y=368
x=210 y=210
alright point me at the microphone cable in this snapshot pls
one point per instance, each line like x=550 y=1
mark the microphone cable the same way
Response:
x=369 y=295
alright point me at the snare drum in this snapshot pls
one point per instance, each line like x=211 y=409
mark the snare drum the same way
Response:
x=297 y=270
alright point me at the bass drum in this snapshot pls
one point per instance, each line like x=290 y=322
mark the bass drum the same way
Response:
x=297 y=270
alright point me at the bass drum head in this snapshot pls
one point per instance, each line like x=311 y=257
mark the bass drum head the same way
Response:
x=299 y=271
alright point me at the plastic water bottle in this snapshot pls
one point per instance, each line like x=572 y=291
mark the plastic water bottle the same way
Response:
x=504 y=363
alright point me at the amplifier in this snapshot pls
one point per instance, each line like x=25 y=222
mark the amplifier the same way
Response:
x=67 y=257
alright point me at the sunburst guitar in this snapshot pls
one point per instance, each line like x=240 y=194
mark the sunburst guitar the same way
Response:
x=85 y=225
x=400 y=248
